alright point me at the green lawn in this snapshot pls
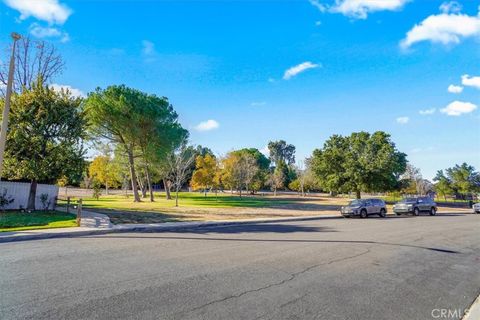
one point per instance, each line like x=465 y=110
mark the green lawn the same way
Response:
x=18 y=221
x=186 y=200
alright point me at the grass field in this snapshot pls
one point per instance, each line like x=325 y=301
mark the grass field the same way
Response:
x=197 y=207
x=186 y=200
x=18 y=221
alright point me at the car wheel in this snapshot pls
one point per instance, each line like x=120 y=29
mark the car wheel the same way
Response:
x=398 y=213
x=383 y=213
x=363 y=214
x=433 y=211
x=416 y=212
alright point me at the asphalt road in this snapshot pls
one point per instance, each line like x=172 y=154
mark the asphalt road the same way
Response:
x=393 y=268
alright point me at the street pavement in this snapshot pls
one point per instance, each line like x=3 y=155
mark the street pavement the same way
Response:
x=393 y=268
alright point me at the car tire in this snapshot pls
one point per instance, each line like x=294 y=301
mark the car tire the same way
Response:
x=383 y=213
x=363 y=214
x=416 y=212
x=433 y=211
x=398 y=213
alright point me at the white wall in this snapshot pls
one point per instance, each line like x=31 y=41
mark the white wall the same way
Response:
x=19 y=192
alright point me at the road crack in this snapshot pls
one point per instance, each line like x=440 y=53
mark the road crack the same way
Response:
x=292 y=276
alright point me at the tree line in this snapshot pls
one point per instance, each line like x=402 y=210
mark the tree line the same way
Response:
x=140 y=143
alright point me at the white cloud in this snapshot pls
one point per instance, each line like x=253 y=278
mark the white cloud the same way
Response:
x=73 y=91
x=449 y=27
x=38 y=31
x=471 y=81
x=148 y=48
x=299 y=68
x=359 y=9
x=207 y=125
x=265 y=151
x=316 y=3
x=427 y=112
x=457 y=108
x=403 y=120
x=450 y=7
x=271 y=80
x=47 y=10
x=258 y=103
x=454 y=89
x=318 y=23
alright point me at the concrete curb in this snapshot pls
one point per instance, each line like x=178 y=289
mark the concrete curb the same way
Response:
x=473 y=312
x=169 y=226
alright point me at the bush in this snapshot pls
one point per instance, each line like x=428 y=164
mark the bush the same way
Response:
x=5 y=200
x=45 y=202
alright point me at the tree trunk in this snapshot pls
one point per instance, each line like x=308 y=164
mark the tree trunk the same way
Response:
x=149 y=184
x=133 y=177
x=32 y=195
x=205 y=191
x=106 y=188
x=176 y=198
x=357 y=194
x=240 y=191
x=166 y=185
x=275 y=191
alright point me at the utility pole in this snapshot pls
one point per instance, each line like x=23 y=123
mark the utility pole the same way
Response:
x=6 y=109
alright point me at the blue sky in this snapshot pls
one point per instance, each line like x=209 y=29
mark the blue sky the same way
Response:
x=241 y=73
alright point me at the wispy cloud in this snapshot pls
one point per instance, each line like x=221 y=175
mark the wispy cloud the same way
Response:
x=73 y=91
x=258 y=103
x=427 y=112
x=403 y=120
x=359 y=9
x=148 y=48
x=299 y=68
x=38 y=31
x=457 y=108
x=471 y=81
x=51 y=11
x=207 y=125
x=454 y=89
x=448 y=27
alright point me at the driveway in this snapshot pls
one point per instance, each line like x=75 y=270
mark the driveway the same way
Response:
x=394 y=268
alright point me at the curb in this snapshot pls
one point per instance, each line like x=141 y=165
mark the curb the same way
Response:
x=152 y=228
x=473 y=313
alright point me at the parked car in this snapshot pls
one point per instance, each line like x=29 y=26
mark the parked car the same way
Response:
x=364 y=208
x=476 y=208
x=415 y=206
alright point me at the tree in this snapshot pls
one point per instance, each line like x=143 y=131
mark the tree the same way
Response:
x=141 y=125
x=281 y=151
x=205 y=172
x=34 y=60
x=443 y=184
x=276 y=179
x=159 y=133
x=106 y=172
x=179 y=162
x=464 y=179
x=239 y=170
x=360 y=162
x=262 y=167
x=45 y=137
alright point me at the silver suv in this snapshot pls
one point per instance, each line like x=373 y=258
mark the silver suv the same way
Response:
x=415 y=206
x=364 y=208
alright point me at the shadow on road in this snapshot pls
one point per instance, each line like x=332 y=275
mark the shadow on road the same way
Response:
x=271 y=228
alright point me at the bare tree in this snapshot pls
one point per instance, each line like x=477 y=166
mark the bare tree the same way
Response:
x=34 y=59
x=275 y=180
x=179 y=163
